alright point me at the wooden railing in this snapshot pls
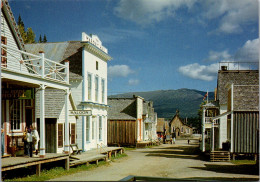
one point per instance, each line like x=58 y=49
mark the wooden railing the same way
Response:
x=30 y=64
x=101 y=147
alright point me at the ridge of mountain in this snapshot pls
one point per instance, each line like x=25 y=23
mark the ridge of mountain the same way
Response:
x=166 y=102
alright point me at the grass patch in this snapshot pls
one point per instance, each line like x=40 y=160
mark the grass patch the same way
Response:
x=242 y=162
x=129 y=148
x=60 y=171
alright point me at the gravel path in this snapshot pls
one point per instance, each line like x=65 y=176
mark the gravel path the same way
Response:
x=174 y=161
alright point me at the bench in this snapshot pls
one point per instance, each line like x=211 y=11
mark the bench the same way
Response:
x=75 y=149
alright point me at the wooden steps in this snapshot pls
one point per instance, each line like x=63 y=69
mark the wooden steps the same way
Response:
x=217 y=156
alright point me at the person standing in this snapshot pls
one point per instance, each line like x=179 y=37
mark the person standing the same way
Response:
x=36 y=139
x=29 y=142
x=2 y=141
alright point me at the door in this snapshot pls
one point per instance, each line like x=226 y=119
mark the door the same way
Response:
x=50 y=134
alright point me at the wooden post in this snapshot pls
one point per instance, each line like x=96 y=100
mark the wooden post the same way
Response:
x=121 y=151
x=203 y=130
x=67 y=163
x=38 y=169
x=66 y=146
x=109 y=155
x=97 y=161
x=42 y=121
x=115 y=153
x=87 y=163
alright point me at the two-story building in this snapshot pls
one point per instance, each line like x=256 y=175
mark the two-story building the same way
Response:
x=88 y=85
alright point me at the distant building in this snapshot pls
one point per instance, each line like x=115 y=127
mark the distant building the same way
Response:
x=179 y=128
x=162 y=127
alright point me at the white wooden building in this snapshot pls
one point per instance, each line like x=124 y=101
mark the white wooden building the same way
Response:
x=88 y=85
x=23 y=74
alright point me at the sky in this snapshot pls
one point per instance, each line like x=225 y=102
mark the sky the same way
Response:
x=155 y=44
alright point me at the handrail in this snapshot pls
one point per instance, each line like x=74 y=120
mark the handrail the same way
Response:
x=101 y=148
x=27 y=63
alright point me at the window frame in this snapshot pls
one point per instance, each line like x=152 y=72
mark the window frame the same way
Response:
x=96 y=88
x=17 y=121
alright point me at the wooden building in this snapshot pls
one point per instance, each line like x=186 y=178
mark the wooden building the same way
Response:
x=237 y=121
x=23 y=76
x=125 y=121
x=178 y=127
x=162 y=127
x=88 y=87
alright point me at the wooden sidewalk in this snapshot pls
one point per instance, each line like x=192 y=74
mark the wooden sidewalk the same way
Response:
x=11 y=163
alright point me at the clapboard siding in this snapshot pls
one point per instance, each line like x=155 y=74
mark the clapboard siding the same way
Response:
x=246 y=132
x=121 y=132
x=13 y=57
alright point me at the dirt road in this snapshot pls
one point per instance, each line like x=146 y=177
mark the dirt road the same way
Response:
x=179 y=160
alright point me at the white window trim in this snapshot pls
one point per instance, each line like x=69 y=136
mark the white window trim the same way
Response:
x=21 y=119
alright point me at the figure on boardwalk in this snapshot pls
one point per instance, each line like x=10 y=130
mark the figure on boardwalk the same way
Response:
x=25 y=141
x=29 y=142
x=36 y=138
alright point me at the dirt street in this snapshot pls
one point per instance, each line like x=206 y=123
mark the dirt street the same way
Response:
x=179 y=160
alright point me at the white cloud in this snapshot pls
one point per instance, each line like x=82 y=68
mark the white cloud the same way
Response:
x=144 y=12
x=133 y=82
x=119 y=71
x=207 y=72
x=233 y=14
x=200 y=72
x=219 y=56
x=249 y=51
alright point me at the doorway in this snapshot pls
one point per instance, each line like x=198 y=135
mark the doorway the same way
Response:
x=50 y=134
x=28 y=117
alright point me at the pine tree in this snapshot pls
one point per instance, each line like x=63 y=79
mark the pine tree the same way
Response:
x=30 y=36
x=40 y=39
x=44 y=39
x=21 y=28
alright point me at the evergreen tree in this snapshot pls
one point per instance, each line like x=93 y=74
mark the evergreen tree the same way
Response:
x=44 y=39
x=21 y=28
x=40 y=39
x=30 y=36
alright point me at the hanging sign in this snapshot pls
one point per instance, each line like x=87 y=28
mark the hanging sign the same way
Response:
x=15 y=93
x=80 y=113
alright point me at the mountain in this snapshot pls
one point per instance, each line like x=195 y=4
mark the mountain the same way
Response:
x=166 y=102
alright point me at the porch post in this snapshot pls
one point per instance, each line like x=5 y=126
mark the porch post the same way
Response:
x=212 y=142
x=232 y=117
x=203 y=129
x=42 y=121
x=67 y=145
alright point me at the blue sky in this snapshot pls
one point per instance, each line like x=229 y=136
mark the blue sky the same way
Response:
x=155 y=44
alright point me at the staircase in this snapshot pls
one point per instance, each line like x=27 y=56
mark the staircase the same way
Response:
x=216 y=156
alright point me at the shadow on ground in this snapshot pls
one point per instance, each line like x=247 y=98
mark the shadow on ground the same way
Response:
x=184 y=152
x=235 y=169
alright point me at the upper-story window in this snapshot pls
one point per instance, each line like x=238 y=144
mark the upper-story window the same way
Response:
x=96 y=88
x=96 y=65
x=89 y=86
x=103 y=90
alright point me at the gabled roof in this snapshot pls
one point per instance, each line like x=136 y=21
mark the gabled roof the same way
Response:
x=7 y=12
x=122 y=109
x=237 y=77
x=178 y=117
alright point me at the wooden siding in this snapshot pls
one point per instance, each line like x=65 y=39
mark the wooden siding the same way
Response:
x=12 y=56
x=121 y=132
x=246 y=132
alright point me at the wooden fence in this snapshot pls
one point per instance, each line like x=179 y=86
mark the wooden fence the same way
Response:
x=246 y=132
x=121 y=132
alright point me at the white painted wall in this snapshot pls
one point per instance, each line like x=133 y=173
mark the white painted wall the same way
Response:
x=222 y=126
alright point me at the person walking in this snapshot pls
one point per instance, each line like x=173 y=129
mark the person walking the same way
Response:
x=29 y=142
x=36 y=139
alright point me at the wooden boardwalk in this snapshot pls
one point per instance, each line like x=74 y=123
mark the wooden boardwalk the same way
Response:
x=11 y=163
x=95 y=155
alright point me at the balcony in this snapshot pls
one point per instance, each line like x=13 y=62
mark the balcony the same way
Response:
x=23 y=64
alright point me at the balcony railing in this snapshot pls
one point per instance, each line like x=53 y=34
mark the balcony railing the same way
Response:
x=208 y=120
x=238 y=65
x=33 y=65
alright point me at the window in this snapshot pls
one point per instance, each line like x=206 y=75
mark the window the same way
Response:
x=103 y=90
x=73 y=133
x=89 y=86
x=15 y=114
x=87 y=128
x=3 y=52
x=60 y=135
x=93 y=128
x=96 y=65
x=96 y=89
x=100 y=128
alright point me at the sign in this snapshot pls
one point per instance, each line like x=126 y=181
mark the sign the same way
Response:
x=80 y=112
x=15 y=93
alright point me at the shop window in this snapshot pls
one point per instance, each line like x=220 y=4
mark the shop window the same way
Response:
x=60 y=135
x=73 y=133
x=3 y=52
x=15 y=114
